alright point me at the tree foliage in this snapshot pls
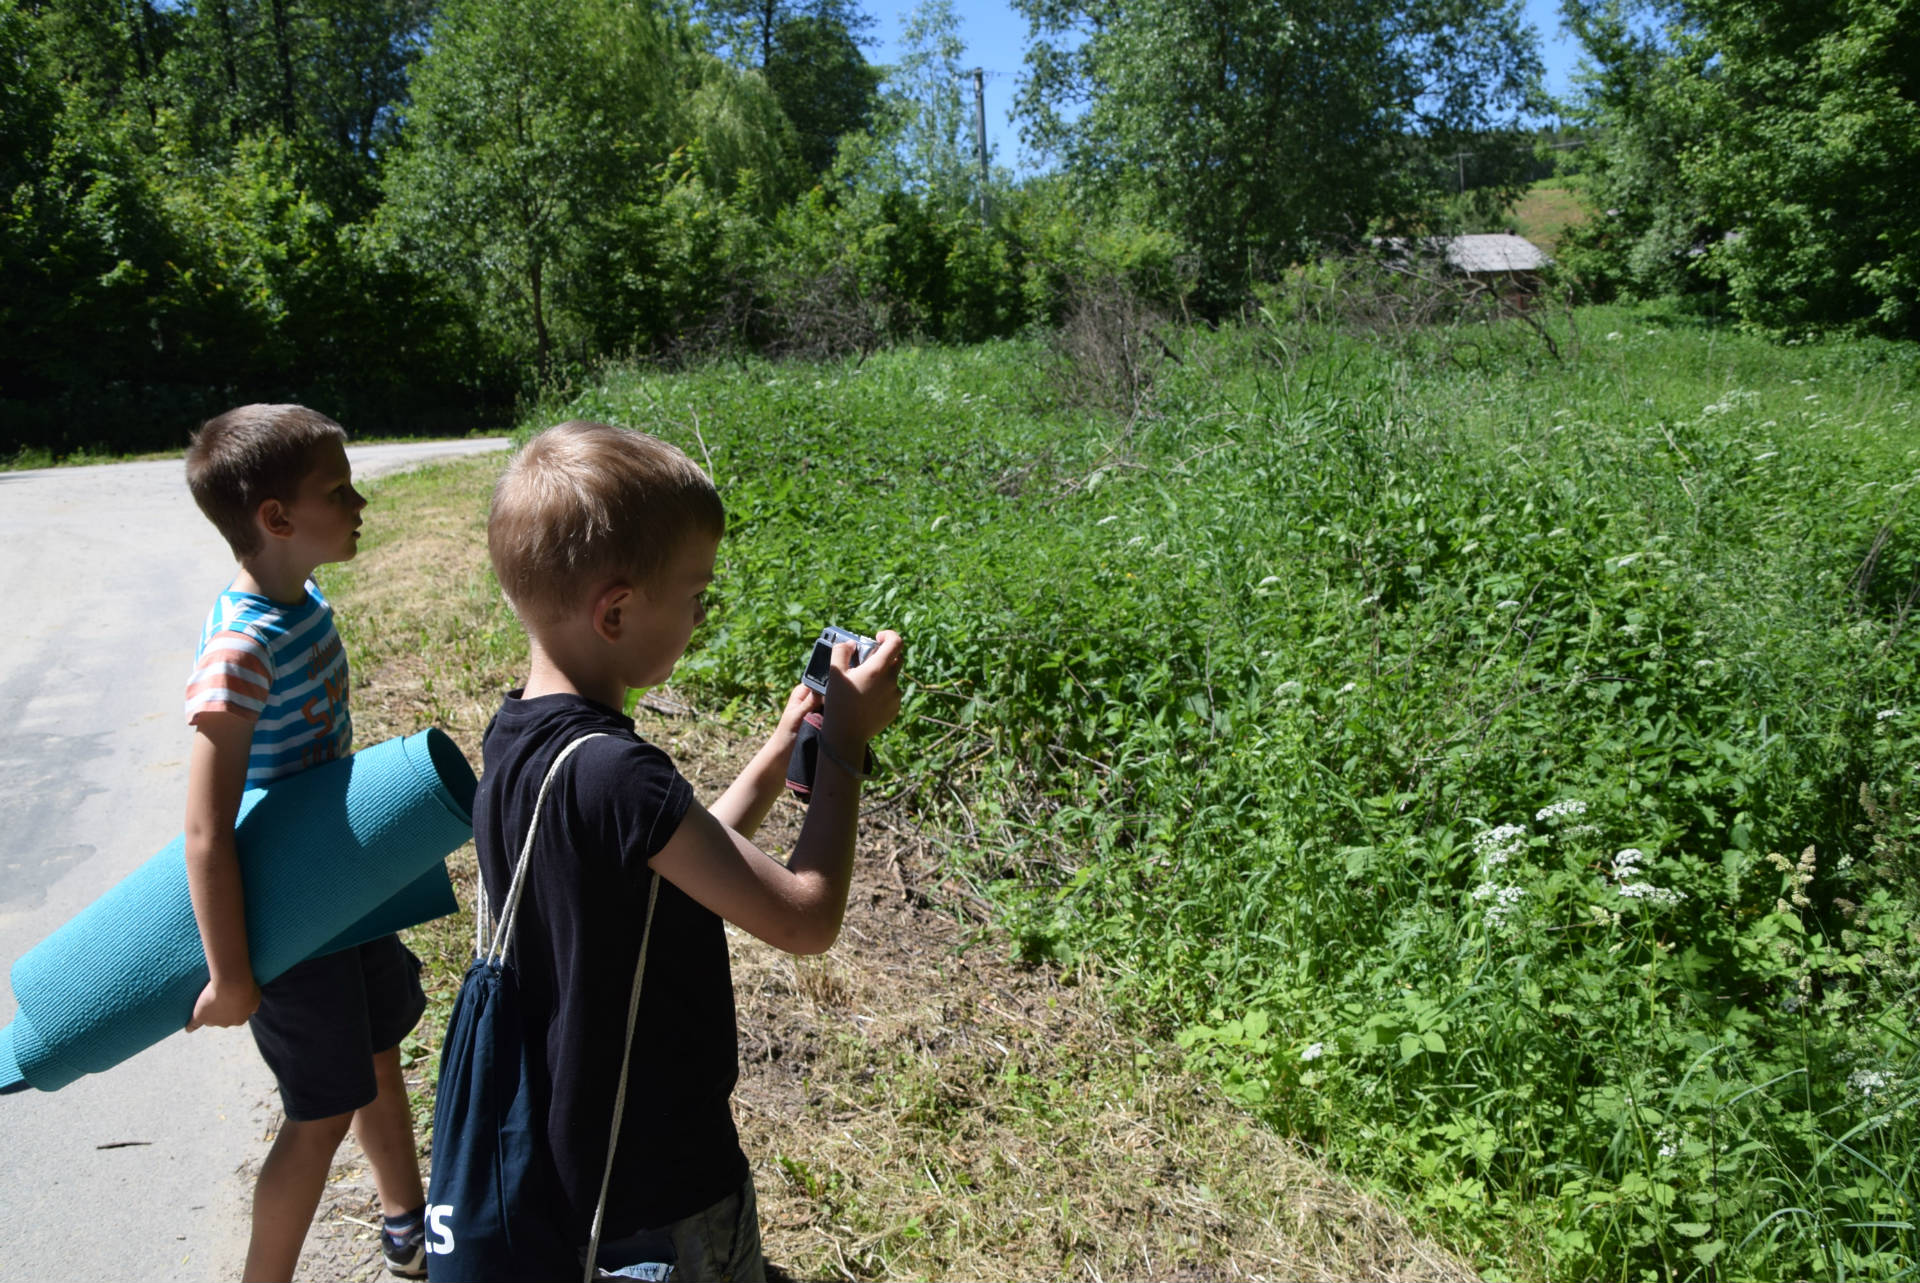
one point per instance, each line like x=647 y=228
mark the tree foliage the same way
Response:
x=410 y=211
x=540 y=139
x=1765 y=147
x=1259 y=130
x=929 y=124
x=524 y=117
x=167 y=246
x=811 y=56
x=1808 y=127
x=824 y=83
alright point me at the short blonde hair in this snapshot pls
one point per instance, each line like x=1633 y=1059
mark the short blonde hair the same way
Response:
x=251 y=454
x=584 y=501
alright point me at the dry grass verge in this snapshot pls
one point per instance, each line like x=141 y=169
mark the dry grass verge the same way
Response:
x=915 y=1105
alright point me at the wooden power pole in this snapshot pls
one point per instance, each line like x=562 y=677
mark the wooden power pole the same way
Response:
x=980 y=136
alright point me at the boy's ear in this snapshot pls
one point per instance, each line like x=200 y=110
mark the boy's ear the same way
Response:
x=610 y=609
x=273 y=518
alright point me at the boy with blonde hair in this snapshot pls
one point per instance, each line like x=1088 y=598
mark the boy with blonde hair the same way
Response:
x=268 y=698
x=604 y=542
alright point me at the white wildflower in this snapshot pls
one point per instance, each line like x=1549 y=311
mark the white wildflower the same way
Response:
x=1669 y=1149
x=1495 y=847
x=1344 y=689
x=1626 y=868
x=1567 y=806
x=1313 y=1051
x=1868 y=1081
x=1505 y=900
x=1498 y=845
x=1886 y=714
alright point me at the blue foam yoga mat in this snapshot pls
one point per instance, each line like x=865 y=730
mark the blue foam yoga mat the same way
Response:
x=330 y=857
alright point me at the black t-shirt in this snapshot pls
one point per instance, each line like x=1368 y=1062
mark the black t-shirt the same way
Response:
x=613 y=805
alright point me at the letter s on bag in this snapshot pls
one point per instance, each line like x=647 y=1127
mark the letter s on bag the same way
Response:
x=439 y=1233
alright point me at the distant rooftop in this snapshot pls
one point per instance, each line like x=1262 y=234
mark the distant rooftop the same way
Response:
x=1494 y=252
x=1479 y=252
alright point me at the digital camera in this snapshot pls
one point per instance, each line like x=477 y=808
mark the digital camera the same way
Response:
x=820 y=662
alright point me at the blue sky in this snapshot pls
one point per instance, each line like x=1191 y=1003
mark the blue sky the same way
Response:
x=996 y=40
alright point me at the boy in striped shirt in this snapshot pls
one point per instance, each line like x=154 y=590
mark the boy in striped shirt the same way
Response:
x=268 y=698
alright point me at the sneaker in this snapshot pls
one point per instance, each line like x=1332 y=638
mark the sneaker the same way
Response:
x=406 y=1251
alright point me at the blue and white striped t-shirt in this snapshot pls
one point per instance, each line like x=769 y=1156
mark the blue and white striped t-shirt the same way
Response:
x=282 y=666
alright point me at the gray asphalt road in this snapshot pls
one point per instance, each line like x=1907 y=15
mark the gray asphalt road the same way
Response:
x=106 y=574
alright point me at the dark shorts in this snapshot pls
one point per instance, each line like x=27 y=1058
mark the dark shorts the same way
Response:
x=319 y=1025
x=718 y=1245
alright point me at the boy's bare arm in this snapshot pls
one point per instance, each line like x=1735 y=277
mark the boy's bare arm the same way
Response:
x=216 y=778
x=748 y=799
x=797 y=906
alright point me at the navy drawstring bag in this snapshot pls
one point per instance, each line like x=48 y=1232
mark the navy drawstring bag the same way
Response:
x=494 y=1201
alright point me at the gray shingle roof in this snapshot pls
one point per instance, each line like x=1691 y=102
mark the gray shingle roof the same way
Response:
x=1494 y=252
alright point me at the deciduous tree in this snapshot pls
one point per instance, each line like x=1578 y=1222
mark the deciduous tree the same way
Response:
x=1806 y=128
x=1258 y=129
x=811 y=56
x=824 y=83
x=1767 y=146
x=526 y=118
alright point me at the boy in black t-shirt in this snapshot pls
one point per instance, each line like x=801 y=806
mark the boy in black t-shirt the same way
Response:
x=604 y=541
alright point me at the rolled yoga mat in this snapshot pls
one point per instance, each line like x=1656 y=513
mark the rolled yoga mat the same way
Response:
x=331 y=857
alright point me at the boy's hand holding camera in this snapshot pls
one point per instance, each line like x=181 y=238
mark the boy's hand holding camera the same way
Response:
x=810 y=741
x=798 y=906
x=869 y=697
x=863 y=695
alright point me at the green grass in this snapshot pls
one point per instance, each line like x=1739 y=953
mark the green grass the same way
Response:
x=1548 y=208
x=32 y=457
x=27 y=458
x=1228 y=698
